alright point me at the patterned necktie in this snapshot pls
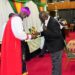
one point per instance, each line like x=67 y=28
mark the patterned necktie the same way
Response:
x=44 y=27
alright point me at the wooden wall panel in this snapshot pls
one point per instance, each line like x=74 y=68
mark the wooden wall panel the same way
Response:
x=61 y=5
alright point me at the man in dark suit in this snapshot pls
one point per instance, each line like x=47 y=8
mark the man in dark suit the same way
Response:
x=53 y=41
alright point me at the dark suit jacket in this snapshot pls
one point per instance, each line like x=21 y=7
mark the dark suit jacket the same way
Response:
x=53 y=36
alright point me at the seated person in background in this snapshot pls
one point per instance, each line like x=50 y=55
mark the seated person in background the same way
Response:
x=62 y=23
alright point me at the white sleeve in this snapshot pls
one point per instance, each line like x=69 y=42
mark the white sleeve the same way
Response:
x=17 y=29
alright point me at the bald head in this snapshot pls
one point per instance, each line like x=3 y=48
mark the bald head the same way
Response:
x=43 y=16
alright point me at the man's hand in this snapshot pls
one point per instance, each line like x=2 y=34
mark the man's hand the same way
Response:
x=34 y=36
x=36 y=33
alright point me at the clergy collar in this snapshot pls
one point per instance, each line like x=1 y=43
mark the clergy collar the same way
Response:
x=20 y=16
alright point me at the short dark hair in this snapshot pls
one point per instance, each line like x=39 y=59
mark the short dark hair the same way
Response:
x=52 y=13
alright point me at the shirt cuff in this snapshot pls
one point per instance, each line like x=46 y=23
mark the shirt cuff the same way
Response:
x=29 y=36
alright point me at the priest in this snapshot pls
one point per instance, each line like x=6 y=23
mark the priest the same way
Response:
x=11 y=60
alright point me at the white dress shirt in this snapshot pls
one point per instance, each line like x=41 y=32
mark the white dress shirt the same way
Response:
x=46 y=21
x=17 y=28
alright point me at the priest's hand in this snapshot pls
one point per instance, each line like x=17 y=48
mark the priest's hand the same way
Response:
x=36 y=33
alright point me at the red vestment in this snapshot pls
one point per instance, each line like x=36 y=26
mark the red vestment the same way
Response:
x=11 y=63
